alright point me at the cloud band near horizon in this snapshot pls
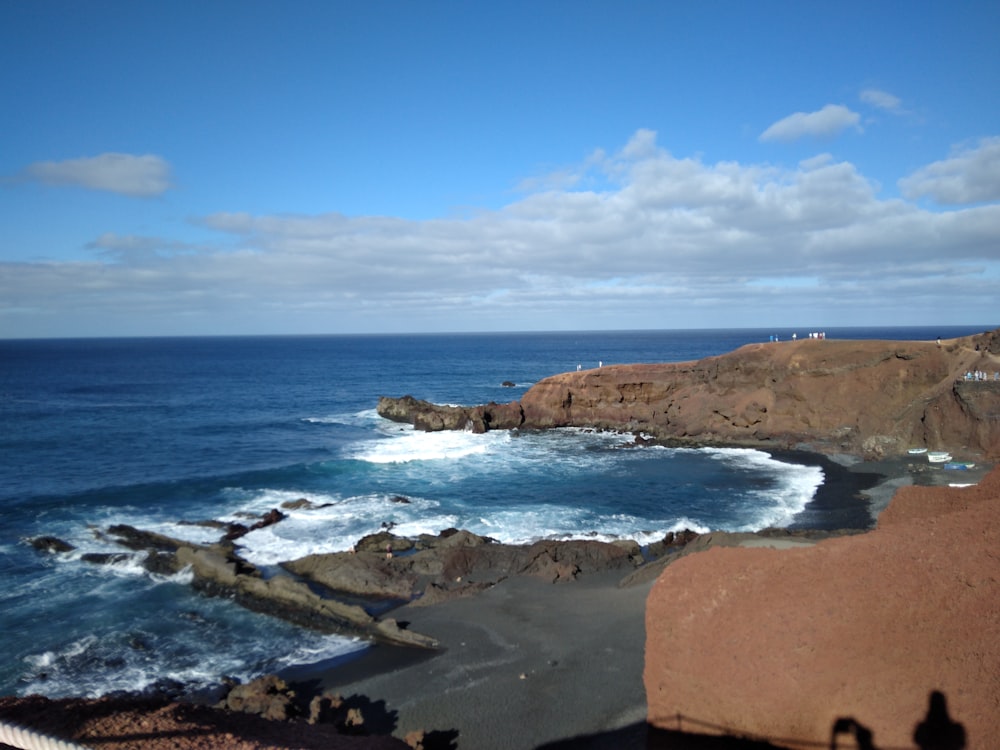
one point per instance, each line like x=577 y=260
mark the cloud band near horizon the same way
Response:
x=692 y=244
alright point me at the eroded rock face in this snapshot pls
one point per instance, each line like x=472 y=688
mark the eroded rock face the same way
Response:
x=784 y=643
x=217 y=570
x=460 y=564
x=424 y=415
x=868 y=398
x=382 y=567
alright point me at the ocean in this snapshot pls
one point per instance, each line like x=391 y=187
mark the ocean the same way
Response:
x=160 y=432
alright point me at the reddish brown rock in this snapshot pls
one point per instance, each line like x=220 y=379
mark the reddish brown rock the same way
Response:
x=268 y=697
x=869 y=398
x=131 y=723
x=782 y=644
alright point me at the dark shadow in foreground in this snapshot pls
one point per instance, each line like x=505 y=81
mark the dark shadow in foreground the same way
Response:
x=641 y=736
x=937 y=731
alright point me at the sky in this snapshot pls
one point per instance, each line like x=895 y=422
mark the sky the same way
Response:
x=410 y=166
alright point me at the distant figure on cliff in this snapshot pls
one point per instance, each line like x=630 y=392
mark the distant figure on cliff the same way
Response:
x=937 y=731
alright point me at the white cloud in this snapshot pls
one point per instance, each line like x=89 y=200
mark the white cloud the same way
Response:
x=642 y=144
x=127 y=174
x=969 y=175
x=882 y=100
x=829 y=121
x=673 y=242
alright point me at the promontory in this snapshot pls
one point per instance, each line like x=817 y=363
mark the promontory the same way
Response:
x=859 y=397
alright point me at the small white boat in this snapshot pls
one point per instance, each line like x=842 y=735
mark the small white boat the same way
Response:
x=938 y=457
x=917 y=451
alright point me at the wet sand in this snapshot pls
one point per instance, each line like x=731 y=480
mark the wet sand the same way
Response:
x=531 y=664
x=525 y=663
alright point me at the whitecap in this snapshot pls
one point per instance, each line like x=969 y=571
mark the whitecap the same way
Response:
x=416 y=445
x=795 y=487
x=195 y=656
x=337 y=525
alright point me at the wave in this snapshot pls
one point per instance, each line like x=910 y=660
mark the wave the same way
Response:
x=198 y=653
x=792 y=486
x=363 y=418
x=334 y=524
x=416 y=445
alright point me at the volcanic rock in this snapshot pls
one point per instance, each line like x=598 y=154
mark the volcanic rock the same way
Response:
x=459 y=564
x=217 y=570
x=855 y=634
x=429 y=417
x=268 y=697
x=867 y=398
x=52 y=544
x=136 y=722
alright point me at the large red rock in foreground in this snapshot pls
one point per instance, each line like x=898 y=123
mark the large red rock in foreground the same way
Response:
x=782 y=643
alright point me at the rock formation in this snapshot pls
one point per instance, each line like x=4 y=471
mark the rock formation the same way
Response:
x=431 y=569
x=868 y=398
x=433 y=417
x=853 y=633
x=458 y=563
x=124 y=722
x=217 y=570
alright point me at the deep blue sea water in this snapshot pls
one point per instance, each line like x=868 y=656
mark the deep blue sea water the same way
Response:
x=155 y=431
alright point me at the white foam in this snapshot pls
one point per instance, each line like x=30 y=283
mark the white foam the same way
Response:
x=363 y=418
x=83 y=667
x=564 y=523
x=338 y=525
x=795 y=489
x=416 y=445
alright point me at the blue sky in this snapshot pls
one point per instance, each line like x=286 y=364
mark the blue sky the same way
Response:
x=389 y=166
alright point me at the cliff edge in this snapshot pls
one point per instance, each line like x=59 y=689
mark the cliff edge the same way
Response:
x=866 y=398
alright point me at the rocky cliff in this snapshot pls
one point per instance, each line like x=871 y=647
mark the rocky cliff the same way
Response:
x=863 y=636
x=868 y=398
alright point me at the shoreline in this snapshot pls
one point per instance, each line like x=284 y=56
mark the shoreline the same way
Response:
x=522 y=664
x=528 y=663
x=532 y=664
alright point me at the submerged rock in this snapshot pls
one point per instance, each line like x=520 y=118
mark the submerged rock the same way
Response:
x=52 y=544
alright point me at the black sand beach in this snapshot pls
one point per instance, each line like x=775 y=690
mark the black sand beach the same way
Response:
x=525 y=663
x=531 y=664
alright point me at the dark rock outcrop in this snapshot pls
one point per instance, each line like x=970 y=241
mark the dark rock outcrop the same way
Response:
x=429 y=417
x=382 y=567
x=218 y=570
x=51 y=544
x=457 y=564
x=269 y=697
x=867 y=398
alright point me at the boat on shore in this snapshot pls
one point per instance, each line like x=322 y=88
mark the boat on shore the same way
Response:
x=939 y=457
x=917 y=451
